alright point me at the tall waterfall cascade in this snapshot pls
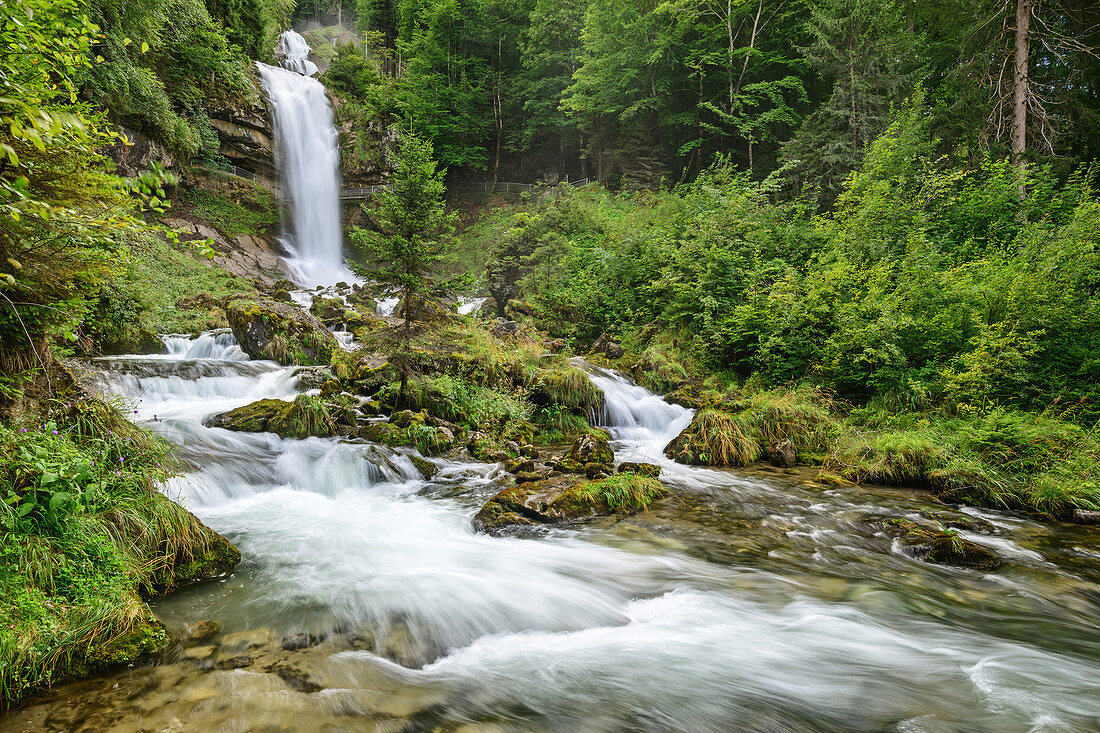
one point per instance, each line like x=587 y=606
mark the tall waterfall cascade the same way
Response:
x=308 y=158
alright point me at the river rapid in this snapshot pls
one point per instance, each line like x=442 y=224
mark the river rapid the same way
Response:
x=746 y=601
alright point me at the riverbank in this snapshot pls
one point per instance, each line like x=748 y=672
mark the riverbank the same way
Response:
x=367 y=598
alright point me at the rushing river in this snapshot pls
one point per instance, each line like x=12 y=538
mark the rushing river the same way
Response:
x=747 y=601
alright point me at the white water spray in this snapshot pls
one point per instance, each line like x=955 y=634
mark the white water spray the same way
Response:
x=308 y=160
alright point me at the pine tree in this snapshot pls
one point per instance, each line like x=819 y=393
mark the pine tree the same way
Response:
x=408 y=228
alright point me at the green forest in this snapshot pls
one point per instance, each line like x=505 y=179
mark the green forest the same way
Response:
x=853 y=245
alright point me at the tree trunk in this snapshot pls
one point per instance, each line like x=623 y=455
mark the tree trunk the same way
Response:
x=1020 y=84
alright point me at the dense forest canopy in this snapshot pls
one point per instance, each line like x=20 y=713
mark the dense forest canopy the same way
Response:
x=639 y=92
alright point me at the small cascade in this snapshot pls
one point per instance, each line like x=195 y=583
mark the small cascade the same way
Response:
x=634 y=414
x=209 y=345
x=293 y=52
x=308 y=160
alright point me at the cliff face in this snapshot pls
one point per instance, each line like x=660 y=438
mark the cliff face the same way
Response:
x=246 y=132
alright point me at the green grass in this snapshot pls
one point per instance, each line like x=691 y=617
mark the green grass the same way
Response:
x=85 y=535
x=245 y=208
x=624 y=492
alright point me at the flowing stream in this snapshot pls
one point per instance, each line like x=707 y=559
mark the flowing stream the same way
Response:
x=748 y=601
x=308 y=160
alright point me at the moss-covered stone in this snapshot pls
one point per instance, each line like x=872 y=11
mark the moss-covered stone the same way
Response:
x=304 y=417
x=268 y=329
x=565 y=500
x=652 y=470
x=591 y=447
x=941 y=546
x=412 y=430
x=427 y=468
x=714 y=438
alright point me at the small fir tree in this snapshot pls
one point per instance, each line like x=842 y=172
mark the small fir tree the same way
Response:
x=408 y=228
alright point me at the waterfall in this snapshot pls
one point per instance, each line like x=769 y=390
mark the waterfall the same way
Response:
x=308 y=160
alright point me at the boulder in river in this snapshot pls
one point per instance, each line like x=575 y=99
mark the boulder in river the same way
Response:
x=566 y=500
x=304 y=417
x=283 y=332
x=652 y=470
x=591 y=447
x=941 y=546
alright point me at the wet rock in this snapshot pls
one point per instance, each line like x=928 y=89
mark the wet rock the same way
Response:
x=199 y=631
x=781 y=453
x=427 y=468
x=523 y=477
x=304 y=417
x=564 y=500
x=642 y=469
x=330 y=311
x=597 y=470
x=943 y=547
x=1084 y=516
x=294 y=642
x=237 y=662
x=592 y=447
x=313 y=377
x=517 y=465
x=530 y=451
x=268 y=329
x=604 y=345
x=951 y=549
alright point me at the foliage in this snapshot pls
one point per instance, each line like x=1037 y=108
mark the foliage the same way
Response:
x=408 y=228
x=84 y=530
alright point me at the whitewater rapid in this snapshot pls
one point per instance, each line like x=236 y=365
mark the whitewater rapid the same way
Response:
x=644 y=625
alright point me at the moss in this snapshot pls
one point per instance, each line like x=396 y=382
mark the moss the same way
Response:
x=427 y=468
x=565 y=500
x=282 y=332
x=591 y=447
x=305 y=416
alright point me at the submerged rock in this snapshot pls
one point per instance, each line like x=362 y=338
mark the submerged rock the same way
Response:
x=941 y=546
x=268 y=329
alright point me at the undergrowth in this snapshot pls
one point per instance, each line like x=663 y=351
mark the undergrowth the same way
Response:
x=85 y=534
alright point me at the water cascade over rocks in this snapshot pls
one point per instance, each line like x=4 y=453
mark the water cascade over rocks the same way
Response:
x=745 y=601
x=308 y=161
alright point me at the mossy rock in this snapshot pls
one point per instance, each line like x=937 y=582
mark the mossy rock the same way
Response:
x=329 y=311
x=304 y=417
x=282 y=332
x=416 y=433
x=943 y=547
x=591 y=447
x=146 y=635
x=137 y=341
x=427 y=468
x=566 y=500
x=652 y=470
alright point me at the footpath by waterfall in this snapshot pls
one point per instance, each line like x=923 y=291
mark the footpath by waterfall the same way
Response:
x=309 y=162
